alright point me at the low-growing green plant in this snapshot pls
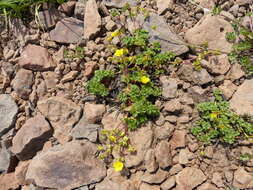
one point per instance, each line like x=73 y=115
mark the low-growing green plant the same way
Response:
x=245 y=157
x=78 y=52
x=218 y=122
x=216 y=10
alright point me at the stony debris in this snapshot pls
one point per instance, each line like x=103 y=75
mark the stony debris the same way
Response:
x=145 y=186
x=22 y=83
x=67 y=7
x=185 y=156
x=228 y=88
x=69 y=77
x=211 y=29
x=165 y=131
x=178 y=139
x=163 y=155
x=173 y=106
x=207 y=186
x=31 y=137
x=48 y=18
x=80 y=9
x=8 y=181
x=67 y=30
x=94 y=112
x=62 y=114
x=208 y=4
x=150 y=161
x=67 y=166
x=242 y=179
x=242 y=100
x=217 y=179
x=36 y=58
x=156 y=178
x=189 y=178
x=235 y=72
x=169 y=87
x=20 y=171
x=163 y=6
x=92 y=20
x=8 y=112
x=169 y=183
x=7 y=160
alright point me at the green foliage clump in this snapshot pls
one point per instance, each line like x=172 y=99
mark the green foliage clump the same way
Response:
x=97 y=85
x=245 y=157
x=78 y=52
x=217 y=121
x=242 y=48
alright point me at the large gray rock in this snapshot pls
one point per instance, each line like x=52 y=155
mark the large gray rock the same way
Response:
x=162 y=33
x=242 y=100
x=7 y=160
x=31 y=137
x=67 y=166
x=62 y=113
x=8 y=112
x=68 y=30
x=211 y=29
x=119 y=3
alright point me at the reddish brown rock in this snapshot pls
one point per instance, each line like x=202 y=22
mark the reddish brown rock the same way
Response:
x=31 y=137
x=67 y=7
x=163 y=154
x=36 y=58
x=178 y=139
x=90 y=67
x=94 y=112
x=20 y=171
x=243 y=179
x=67 y=166
x=8 y=181
x=156 y=178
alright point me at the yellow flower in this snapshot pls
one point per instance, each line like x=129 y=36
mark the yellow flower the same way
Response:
x=100 y=148
x=112 y=138
x=115 y=33
x=145 y=80
x=213 y=115
x=118 y=166
x=119 y=52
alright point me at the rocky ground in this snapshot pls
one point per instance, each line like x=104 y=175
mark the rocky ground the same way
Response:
x=50 y=125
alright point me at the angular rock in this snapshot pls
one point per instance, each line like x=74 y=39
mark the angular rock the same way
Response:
x=67 y=166
x=208 y=4
x=90 y=67
x=7 y=160
x=150 y=161
x=163 y=6
x=22 y=83
x=50 y=79
x=165 y=131
x=8 y=112
x=94 y=112
x=169 y=183
x=169 y=41
x=235 y=72
x=228 y=89
x=207 y=186
x=20 y=171
x=92 y=20
x=217 y=64
x=189 y=178
x=156 y=178
x=243 y=179
x=145 y=186
x=107 y=185
x=142 y=140
x=198 y=94
x=173 y=106
x=67 y=7
x=178 y=139
x=84 y=130
x=112 y=120
x=31 y=137
x=70 y=76
x=217 y=179
x=188 y=74
x=242 y=100
x=211 y=29
x=62 y=113
x=185 y=156
x=68 y=30
x=48 y=18
x=163 y=154
x=36 y=58
x=169 y=87
x=8 y=181
x=119 y=3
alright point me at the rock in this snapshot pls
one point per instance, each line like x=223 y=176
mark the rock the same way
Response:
x=189 y=178
x=94 y=112
x=90 y=67
x=119 y=4
x=189 y=74
x=207 y=186
x=163 y=6
x=156 y=178
x=111 y=26
x=169 y=87
x=36 y=58
x=235 y=72
x=68 y=30
x=62 y=113
x=8 y=181
x=242 y=179
x=142 y=140
x=50 y=79
x=217 y=179
x=198 y=94
x=48 y=18
x=20 y=171
x=163 y=154
x=211 y=29
x=145 y=186
x=31 y=137
x=8 y=112
x=165 y=131
x=218 y=65
x=22 y=83
x=242 y=100
x=243 y=2
x=150 y=161
x=208 y=4
x=107 y=185
x=84 y=130
x=169 y=183
x=228 y=89
x=67 y=166
x=113 y=120
x=92 y=20
x=178 y=139
x=70 y=76
x=185 y=156
x=169 y=41
x=80 y=9
x=173 y=106
x=67 y=7
x=7 y=161
x=175 y=169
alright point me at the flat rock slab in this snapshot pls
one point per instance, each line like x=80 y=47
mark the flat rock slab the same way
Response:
x=119 y=3
x=8 y=112
x=160 y=31
x=36 y=58
x=67 y=166
x=242 y=100
x=68 y=30
x=211 y=29
x=31 y=137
